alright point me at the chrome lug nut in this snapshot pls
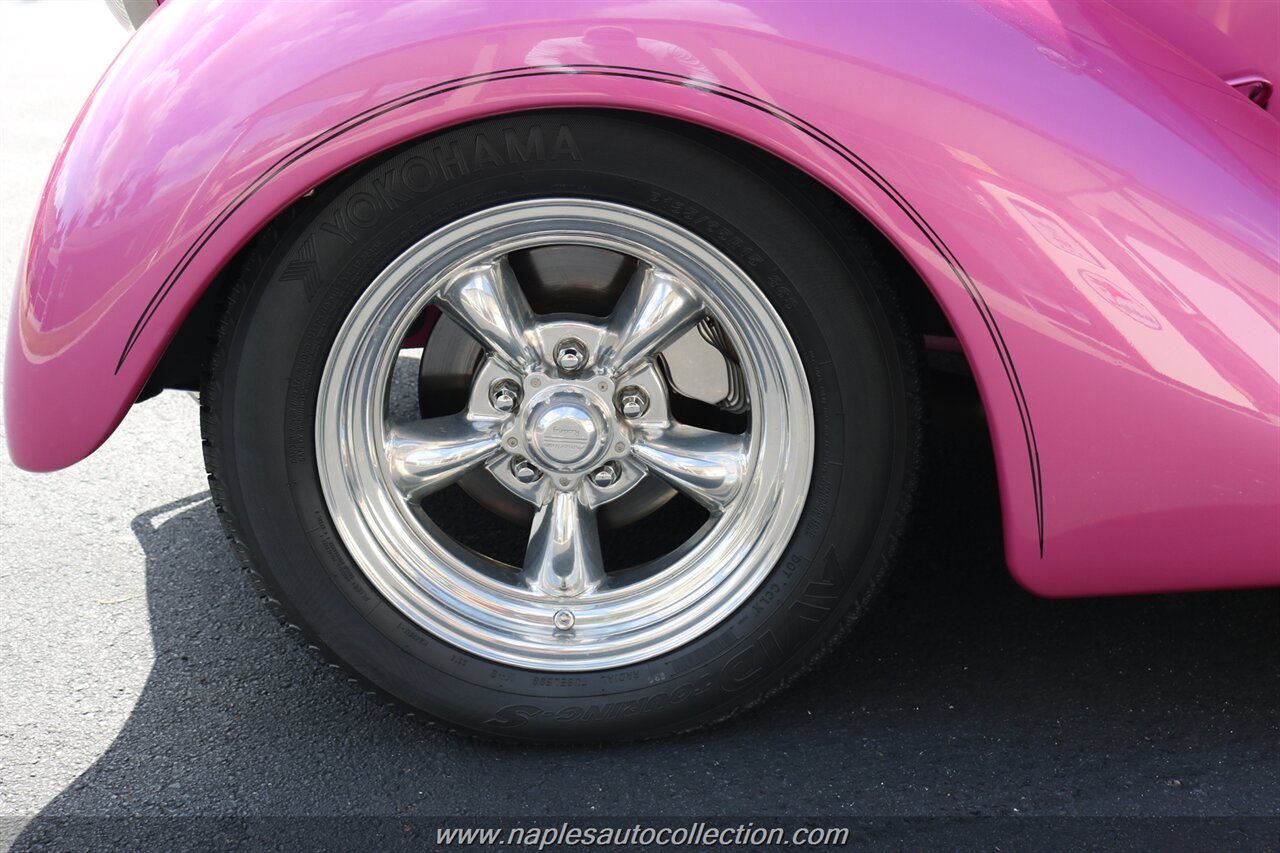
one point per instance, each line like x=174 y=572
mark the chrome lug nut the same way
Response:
x=571 y=355
x=606 y=475
x=504 y=395
x=524 y=470
x=633 y=402
x=563 y=620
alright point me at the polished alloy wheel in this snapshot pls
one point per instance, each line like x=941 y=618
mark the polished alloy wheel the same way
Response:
x=609 y=443
x=569 y=413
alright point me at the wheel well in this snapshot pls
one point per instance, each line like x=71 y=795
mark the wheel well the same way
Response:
x=185 y=358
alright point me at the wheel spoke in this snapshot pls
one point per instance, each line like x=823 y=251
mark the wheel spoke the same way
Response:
x=425 y=456
x=707 y=466
x=563 y=558
x=488 y=302
x=653 y=310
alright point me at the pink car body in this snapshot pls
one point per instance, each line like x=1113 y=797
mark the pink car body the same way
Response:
x=1092 y=204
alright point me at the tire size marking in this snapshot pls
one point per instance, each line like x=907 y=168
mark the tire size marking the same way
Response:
x=774 y=646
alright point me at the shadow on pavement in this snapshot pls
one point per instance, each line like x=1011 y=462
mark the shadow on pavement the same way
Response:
x=959 y=694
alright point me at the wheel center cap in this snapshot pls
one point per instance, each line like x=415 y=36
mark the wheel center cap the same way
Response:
x=563 y=434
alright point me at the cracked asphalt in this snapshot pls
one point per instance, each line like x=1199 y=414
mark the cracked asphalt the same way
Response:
x=141 y=676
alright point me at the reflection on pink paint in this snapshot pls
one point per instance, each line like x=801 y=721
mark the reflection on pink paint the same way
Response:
x=1123 y=302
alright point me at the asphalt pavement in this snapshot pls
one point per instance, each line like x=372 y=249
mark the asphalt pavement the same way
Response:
x=142 y=677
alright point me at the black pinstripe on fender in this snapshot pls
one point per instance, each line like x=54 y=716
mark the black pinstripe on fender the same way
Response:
x=716 y=89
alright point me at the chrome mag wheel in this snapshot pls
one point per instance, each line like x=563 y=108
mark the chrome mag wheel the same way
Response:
x=577 y=417
x=530 y=447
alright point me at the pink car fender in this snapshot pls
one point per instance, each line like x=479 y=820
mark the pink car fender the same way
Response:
x=1095 y=212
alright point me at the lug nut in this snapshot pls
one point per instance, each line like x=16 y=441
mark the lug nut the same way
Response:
x=524 y=470
x=563 y=620
x=606 y=475
x=633 y=402
x=504 y=395
x=571 y=355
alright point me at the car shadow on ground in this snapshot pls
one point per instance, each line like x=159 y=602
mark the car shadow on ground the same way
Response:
x=959 y=694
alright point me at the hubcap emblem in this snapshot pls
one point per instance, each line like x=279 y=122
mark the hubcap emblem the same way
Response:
x=565 y=434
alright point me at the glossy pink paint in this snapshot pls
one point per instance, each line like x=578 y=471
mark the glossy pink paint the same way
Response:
x=1095 y=211
x=1229 y=37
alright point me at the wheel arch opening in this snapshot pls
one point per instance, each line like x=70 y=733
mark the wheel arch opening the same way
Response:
x=181 y=365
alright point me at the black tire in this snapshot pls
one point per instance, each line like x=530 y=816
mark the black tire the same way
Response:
x=816 y=263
